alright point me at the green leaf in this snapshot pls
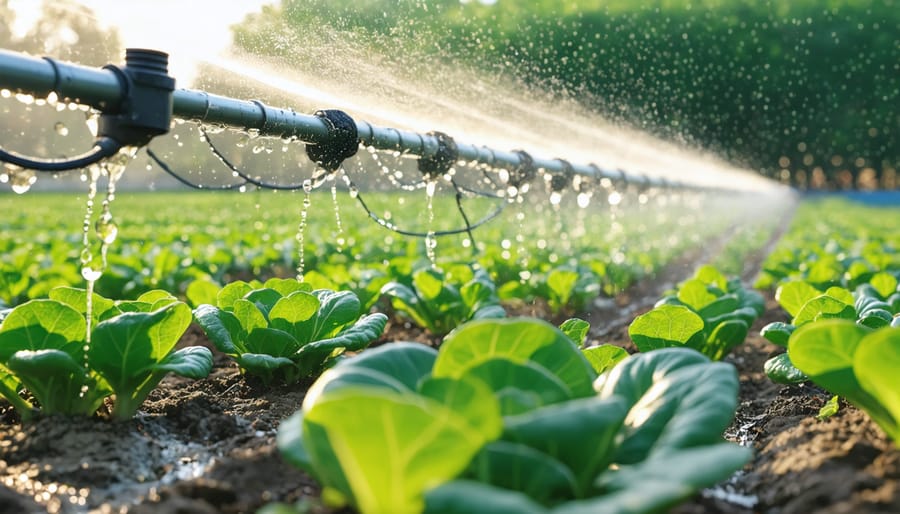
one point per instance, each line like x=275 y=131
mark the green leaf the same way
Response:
x=264 y=299
x=201 y=292
x=190 y=362
x=659 y=487
x=42 y=325
x=268 y=367
x=428 y=283
x=519 y=387
x=677 y=401
x=295 y=315
x=876 y=318
x=287 y=286
x=469 y=398
x=580 y=434
x=355 y=338
x=724 y=337
x=875 y=365
x=56 y=380
x=398 y=367
x=77 y=299
x=271 y=341
x=823 y=307
x=231 y=292
x=416 y=444
x=710 y=275
x=222 y=328
x=468 y=496
x=125 y=349
x=721 y=306
x=9 y=389
x=664 y=326
x=561 y=283
x=841 y=294
x=518 y=467
x=576 y=329
x=248 y=315
x=337 y=310
x=825 y=351
x=521 y=340
x=693 y=293
x=830 y=408
x=778 y=332
x=604 y=357
x=792 y=296
x=157 y=297
x=781 y=370
x=884 y=283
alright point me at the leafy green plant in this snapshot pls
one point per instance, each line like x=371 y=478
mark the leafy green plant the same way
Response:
x=856 y=362
x=439 y=304
x=707 y=313
x=284 y=330
x=868 y=306
x=43 y=350
x=569 y=287
x=510 y=416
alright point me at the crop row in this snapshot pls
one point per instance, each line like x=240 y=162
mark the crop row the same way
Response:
x=836 y=273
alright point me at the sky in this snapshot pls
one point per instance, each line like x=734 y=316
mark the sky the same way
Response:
x=187 y=29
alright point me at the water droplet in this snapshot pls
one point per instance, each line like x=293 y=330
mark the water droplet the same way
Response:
x=106 y=229
x=21 y=180
x=91 y=274
x=555 y=198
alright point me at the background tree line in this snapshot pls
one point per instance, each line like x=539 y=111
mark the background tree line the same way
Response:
x=807 y=89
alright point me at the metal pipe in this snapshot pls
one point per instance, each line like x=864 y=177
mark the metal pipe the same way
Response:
x=102 y=90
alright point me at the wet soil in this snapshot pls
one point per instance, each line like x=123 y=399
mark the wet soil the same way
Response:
x=208 y=446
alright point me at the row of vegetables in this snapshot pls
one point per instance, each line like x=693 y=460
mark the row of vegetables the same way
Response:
x=508 y=414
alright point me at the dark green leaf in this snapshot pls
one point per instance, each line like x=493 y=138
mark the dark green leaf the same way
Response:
x=222 y=328
x=780 y=369
x=778 y=332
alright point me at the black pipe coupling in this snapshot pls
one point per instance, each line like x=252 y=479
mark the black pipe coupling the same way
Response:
x=524 y=172
x=146 y=107
x=341 y=143
x=563 y=179
x=446 y=156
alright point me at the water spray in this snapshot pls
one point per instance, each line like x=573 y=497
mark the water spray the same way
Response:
x=138 y=100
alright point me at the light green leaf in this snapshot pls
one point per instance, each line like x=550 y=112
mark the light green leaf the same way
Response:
x=576 y=329
x=415 y=444
x=360 y=335
x=604 y=357
x=710 y=275
x=823 y=307
x=77 y=299
x=201 y=292
x=693 y=293
x=666 y=325
x=42 y=325
x=876 y=366
x=295 y=315
x=520 y=340
x=792 y=296
x=884 y=283
x=231 y=292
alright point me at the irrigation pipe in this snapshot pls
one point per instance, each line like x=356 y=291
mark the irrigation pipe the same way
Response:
x=111 y=91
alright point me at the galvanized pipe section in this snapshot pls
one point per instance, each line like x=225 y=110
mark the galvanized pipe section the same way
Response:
x=102 y=90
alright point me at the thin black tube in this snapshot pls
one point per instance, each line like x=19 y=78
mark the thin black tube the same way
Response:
x=103 y=147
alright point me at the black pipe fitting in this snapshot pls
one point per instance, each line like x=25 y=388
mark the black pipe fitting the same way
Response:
x=341 y=143
x=146 y=107
x=446 y=156
x=562 y=180
x=524 y=172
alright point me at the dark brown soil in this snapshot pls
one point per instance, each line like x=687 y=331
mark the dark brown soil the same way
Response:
x=208 y=446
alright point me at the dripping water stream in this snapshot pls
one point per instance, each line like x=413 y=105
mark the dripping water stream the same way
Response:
x=301 y=228
x=430 y=238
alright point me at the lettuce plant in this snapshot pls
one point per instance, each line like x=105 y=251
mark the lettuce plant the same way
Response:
x=872 y=305
x=510 y=416
x=284 y=330
x=43 y=350
x=855 y=362
x=707 y=313
x=439 y=304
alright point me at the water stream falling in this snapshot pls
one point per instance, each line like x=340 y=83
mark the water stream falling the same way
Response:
x=430 y=238
x=301 y=229
x=339 y=229
x=105 y=229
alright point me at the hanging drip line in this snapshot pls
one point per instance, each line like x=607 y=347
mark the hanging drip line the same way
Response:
x=103 y=147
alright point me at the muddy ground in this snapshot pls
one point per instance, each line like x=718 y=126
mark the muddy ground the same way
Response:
x=208 y=446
